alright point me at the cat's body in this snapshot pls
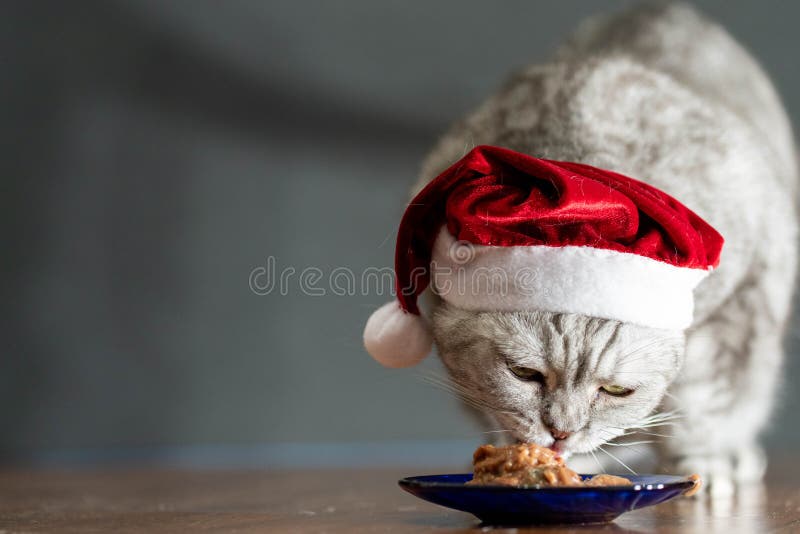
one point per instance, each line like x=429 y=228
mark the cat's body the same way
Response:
x=665 y=96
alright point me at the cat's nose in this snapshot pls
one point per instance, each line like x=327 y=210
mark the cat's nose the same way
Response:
x=559 y=434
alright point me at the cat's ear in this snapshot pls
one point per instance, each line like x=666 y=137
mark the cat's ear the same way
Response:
x=397 y=338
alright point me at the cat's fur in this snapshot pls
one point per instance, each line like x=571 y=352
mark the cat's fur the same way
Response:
x=661 y=94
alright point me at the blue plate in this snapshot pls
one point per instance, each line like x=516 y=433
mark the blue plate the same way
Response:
x=503 y=505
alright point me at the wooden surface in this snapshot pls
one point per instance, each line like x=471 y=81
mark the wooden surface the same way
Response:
x=329 y=501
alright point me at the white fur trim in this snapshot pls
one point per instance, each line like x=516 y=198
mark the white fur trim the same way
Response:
x=586 y=280
x=396 y=338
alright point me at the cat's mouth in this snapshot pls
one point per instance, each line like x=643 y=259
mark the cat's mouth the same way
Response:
x=558 y=446
x=549 y=442
x=526 y=431
x=575 y=443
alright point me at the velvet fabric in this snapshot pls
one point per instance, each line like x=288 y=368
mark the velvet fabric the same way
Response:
x=498 y=197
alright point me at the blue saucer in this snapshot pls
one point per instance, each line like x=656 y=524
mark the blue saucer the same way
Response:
x=503 y=505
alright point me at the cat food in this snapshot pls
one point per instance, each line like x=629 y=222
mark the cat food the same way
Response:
x=528 y=464
x=697 y=483
x=607 y=480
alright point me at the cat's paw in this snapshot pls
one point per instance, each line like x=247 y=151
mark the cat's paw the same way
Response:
x=723 y=472
x=716 y=472
x=750 y=464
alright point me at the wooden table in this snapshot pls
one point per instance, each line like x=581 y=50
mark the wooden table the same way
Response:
x=328 y=501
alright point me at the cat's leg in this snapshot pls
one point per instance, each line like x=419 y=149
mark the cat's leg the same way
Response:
x=725 y=393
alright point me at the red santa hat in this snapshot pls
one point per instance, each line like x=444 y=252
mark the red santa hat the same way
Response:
x=504 y=231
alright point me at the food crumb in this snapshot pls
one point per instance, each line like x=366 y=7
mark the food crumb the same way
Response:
x=697 y=484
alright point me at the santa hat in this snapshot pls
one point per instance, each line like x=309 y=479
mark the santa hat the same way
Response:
x=505 y=231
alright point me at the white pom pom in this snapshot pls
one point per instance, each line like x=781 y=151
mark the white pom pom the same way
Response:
x=396 y=338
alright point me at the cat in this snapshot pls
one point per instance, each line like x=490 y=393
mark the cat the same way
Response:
x=662 y=94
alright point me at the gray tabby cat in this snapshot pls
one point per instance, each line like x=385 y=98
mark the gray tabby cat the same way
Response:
x=664 y=95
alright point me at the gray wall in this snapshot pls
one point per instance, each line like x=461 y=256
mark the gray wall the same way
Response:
x=155 y=153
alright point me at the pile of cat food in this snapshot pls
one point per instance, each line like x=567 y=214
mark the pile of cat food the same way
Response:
x=528 y=464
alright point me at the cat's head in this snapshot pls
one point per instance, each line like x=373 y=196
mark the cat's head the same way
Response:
x=566 y=381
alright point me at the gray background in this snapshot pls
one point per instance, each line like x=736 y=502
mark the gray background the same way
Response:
x=155 y=153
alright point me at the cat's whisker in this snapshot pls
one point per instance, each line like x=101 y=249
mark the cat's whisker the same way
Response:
x=658 y=420
x=444 y=386
x=674 y=414
x=668 y=413
x=628 y=444
x=620 y=462
x=443 y=383
x=613 y=434
x=662 y=420
x=653 y=434
x=643 y=424
x=597 y=461
x=464 y=394
x=631 y=447
x=654 y=425
x=449 y=387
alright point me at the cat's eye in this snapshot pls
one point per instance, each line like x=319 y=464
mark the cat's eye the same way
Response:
x=526 y=373
x=616 y=391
